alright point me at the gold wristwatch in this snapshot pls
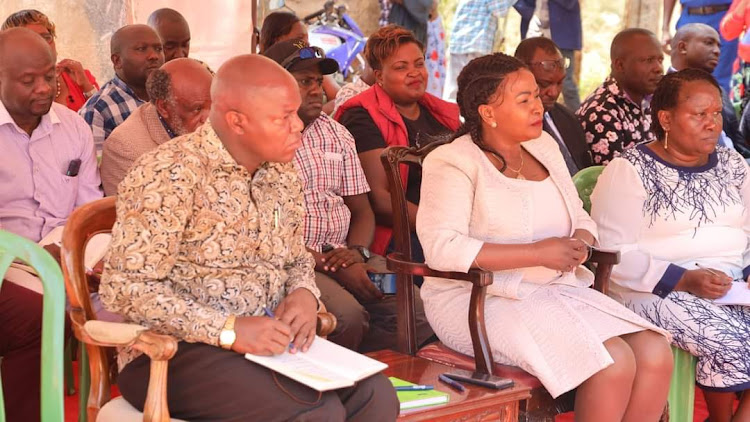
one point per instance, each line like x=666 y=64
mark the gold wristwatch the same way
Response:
x=227 y=336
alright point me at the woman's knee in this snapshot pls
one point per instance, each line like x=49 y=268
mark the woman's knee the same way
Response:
x=623 y=369
x=652 y=352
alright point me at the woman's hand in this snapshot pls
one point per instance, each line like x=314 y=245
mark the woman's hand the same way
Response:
x=76 y=72
x=560 y=253
x=587 y=238
x=705 y=283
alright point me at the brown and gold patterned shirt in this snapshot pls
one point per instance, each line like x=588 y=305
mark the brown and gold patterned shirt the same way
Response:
x=198 y=238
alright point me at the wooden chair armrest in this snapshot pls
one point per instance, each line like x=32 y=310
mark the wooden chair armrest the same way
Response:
x=397 y=263
x=605 y=260
x=326 y=324
x=160 y=348
x=605 y=256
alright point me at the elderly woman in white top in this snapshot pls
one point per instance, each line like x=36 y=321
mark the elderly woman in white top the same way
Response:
x=679 y=211
x=499 y=197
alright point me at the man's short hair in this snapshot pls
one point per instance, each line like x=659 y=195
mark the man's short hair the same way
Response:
x=616 y=49
x=159 y=86
x=526 y=49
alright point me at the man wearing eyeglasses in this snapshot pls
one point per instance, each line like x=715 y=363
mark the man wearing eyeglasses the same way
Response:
x=339 y=222
x=548 y=65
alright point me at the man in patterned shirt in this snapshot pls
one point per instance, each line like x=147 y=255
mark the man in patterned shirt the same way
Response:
x=339 y=223
x=617 y=116
x=209 y=234
x=136 y=52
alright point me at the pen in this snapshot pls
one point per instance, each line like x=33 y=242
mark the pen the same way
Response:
x=414 y=387
x=707 y=269
x=269 y=313
x=452 y=384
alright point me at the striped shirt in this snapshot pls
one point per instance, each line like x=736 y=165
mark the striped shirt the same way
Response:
x=329 y=170
x=108 y=108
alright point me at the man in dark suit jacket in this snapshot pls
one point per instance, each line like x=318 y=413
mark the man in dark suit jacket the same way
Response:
x=547 y=64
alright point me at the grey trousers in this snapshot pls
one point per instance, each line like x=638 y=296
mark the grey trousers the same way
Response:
x=206 y=383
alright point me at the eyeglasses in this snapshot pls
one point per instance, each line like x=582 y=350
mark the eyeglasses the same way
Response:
x=550 y=65
x=305 y=53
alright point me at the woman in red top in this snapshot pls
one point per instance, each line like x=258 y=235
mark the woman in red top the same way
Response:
x=396 y=110
x=74 y=83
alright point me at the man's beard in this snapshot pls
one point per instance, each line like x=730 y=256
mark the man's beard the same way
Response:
x=176 y=124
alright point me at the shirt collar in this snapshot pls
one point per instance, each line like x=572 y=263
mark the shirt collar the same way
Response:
x=49 y=119
x=169 y=130
x=221 y=155
x=614 y=88
x=125 y=87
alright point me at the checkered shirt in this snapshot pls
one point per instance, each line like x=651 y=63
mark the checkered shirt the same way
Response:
x=108 y=108
x=475 y=24
x=329 y=170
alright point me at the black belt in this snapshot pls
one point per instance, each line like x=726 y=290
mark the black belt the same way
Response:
x=707 y=10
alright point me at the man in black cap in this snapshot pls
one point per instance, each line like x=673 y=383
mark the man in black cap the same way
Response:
x=339 y=223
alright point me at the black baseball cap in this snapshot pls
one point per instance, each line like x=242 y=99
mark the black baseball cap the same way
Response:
x=294 y=55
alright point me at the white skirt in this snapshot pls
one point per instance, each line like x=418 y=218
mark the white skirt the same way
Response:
x=556 y=333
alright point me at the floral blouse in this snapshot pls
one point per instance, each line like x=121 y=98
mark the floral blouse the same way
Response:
x=613 y=123
x=198 y=238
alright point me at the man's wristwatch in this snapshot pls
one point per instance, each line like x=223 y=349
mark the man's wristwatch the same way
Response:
x=227 y=336
x=366 y=255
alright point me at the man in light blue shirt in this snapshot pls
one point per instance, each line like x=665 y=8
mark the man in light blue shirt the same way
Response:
x=473 y=34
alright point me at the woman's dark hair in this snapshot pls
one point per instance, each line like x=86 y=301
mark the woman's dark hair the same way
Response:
x=668 y=92
x=275 y=26
x=477 y=84
x=385 y=41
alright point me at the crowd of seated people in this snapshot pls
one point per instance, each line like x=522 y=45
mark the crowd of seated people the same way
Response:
x=243 y=190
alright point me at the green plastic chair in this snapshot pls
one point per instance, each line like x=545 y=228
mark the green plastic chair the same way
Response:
x=682 y=385
x=14 y=247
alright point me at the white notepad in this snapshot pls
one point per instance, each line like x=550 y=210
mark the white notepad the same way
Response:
x=325 y=366
x=738 y=294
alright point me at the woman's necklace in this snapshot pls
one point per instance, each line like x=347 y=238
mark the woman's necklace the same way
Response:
x=519 y=176
x=59 y=89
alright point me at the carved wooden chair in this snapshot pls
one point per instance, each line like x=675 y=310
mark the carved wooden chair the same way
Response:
x=29 y=253
x=98 y=336
x=541 y=406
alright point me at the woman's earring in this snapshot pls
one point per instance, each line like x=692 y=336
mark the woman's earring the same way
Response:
x=666 y=140
x=493 y=125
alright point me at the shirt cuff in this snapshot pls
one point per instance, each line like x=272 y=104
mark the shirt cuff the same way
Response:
x=668 y=281
x=746 y=272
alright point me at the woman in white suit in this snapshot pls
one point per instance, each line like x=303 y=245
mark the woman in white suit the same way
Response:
x=500 y=198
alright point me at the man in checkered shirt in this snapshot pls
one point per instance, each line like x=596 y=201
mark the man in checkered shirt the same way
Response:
x=340 y=222
x=136 y=52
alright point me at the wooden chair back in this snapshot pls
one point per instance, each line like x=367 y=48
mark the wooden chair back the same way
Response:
x=83 y=224
x=14 y=247
x=394 y=160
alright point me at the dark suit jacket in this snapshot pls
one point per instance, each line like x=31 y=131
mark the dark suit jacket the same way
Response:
x=572 y=133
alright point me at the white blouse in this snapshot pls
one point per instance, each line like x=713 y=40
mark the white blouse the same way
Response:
x=666 y=219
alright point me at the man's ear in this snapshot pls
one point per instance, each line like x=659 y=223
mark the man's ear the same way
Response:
x=161 y=107
x=236 y=122
x=116 y=61
x=618 y=65
x=682 y=47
